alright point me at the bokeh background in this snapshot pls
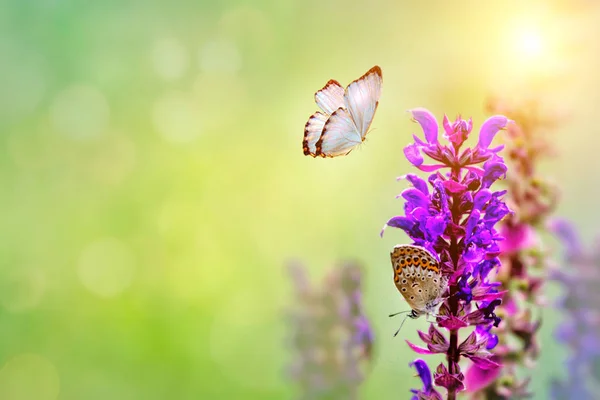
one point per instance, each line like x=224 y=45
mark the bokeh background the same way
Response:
x=154 y=186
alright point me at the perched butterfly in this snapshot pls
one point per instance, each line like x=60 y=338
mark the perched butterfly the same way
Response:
x=418 y=278
x=346 y=116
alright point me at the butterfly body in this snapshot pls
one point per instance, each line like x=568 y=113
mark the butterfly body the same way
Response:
x=345 y=116
x=418 y=278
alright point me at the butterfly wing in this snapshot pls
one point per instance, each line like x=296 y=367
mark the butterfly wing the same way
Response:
x=416 y=276
x=346 y=116
x=362 y=97
x=331 y=97
x=339 y=135
x=312 y=132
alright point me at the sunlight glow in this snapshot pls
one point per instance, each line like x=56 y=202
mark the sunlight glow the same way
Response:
x=530 y=43
x=531 y=51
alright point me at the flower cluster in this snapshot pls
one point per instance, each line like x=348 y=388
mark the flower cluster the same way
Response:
x=331 y=335
x=532 y=200
x=580 y=331
x=453 y=214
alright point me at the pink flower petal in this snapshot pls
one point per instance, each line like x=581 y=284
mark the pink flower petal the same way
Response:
x=489 y=296
x=430 y=168
x=447 y=125
x=478 y=378
x=488 y=130
x=451 y=322
x=412 y=153
x=454 y=187
x=419 y=350
x=484 y=363
x=517 y=237
x=477 y=170
x=428 y=123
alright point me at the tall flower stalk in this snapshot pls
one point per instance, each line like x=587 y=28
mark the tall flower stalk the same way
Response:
x=523 y=262
x=580 y=305
x=331 y=335
x=453 y=215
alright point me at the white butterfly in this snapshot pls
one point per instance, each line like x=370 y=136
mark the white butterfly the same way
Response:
x=346 y=116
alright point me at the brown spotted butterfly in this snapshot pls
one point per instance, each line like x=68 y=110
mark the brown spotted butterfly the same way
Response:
x=418 y=278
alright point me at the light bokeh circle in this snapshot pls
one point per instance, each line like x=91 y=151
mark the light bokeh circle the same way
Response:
x=23 y=289
x=29 y=377
x=170 y=58
x=80 y=112
x=176 y=118
x=220 y=55
x=106 y=267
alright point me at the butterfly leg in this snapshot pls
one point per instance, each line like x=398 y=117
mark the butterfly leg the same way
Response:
x=403 y=321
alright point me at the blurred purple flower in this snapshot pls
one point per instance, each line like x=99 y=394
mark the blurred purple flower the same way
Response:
x=580 y=330
x=532 y=200
x=331 y=335
x=517 y=237
x=567 y=234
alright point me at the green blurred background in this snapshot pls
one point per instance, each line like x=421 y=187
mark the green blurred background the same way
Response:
x=154 y=184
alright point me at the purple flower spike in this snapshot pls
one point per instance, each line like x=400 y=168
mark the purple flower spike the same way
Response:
x=455 y=219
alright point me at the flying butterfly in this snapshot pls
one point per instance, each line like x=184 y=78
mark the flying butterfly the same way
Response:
x=418 y=278
x=345 y=118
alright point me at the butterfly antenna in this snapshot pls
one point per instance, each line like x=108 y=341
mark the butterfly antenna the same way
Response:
x=403 y=321
x=398 y=313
